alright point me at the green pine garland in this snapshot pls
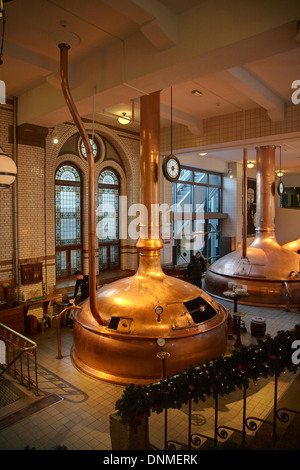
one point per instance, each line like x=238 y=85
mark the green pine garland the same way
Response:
x=222 y=375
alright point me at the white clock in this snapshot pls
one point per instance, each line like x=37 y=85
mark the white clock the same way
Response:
x=171 y=168
x=280 y=188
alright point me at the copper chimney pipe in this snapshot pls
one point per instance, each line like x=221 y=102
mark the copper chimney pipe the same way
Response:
x=150 y=241
x=91 y=196
x=265 y=214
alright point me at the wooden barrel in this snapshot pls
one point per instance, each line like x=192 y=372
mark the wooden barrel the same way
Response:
x=258 y=327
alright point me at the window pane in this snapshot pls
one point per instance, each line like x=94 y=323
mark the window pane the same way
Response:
x=108 y=222
x=61 y=263
x=68 y=215
x=213 y=225
x=213 y=245
x=67 y=173
x=200 y=197
x=93 y=145
x=186 y=175
x=108 y=211
x=184 y=194
x=183 y=255
x=67 y=220
x=214 y=200
x=103 y=258
x=114 y=256
x=108 y=177
x=215 y=179
x=75 y=260
x=200 y=177
x=199 y=230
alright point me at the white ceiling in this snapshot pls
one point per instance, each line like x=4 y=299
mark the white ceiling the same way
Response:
x=240 y=55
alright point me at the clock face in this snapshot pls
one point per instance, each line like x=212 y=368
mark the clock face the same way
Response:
x=171 y=168
x=280 y=188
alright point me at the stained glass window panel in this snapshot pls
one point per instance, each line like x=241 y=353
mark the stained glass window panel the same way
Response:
x=68 y=221
x=103 y=258
x=108 y=177
x=67 y=173
x=68 y=215
x=114 y=256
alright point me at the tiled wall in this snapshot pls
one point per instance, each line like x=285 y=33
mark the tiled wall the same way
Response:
x=6 y=201
x=243 y=125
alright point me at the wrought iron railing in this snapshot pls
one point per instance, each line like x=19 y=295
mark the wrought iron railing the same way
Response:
x=267 y=359
x=18 y=357
x=220 y=433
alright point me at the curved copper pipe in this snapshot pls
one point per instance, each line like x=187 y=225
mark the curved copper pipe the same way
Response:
x=245 y=189
x=59 y=355
x=90 y=157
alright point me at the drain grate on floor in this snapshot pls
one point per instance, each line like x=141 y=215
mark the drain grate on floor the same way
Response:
x=9 y=393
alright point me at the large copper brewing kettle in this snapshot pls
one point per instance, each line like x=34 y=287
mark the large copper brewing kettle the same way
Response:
x=117 y=331
x=125 y=351
x=139 y=310
x=293 y=246
x=264 y=267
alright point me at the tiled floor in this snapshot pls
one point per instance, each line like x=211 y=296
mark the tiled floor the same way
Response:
x=81 y=419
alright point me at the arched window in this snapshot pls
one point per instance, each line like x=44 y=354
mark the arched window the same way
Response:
x=108 y=225
x=68 y=220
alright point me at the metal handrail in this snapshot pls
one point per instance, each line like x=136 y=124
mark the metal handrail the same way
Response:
x=27 y=347
x=59 y=355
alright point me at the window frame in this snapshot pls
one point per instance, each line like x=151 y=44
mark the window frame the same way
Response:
x=207 y=214
x=69 y=247
x=109 y=243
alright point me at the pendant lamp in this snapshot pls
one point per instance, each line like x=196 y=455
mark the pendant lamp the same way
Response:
x=8 y=170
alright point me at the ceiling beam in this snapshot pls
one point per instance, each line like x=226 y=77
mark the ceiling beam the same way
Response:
x=31 y=57
x=158 y=24
x=244 y=81
x=195 y=125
